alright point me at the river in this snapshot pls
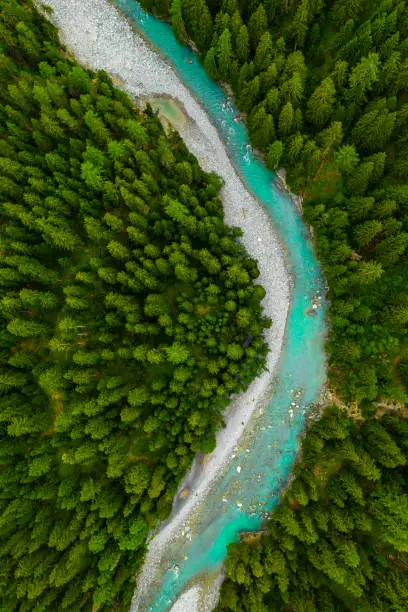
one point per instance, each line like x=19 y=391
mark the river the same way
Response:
x=247 y=487
x=271 y=437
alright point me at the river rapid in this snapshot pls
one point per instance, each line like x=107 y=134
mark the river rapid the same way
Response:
x=234 y=488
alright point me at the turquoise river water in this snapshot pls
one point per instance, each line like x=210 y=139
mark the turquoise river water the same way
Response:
x=273 y=436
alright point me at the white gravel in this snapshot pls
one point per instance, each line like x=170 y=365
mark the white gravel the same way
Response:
x=189 y=601
x=101 y=38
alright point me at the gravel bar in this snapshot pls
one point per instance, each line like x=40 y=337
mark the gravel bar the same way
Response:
x=101 y=38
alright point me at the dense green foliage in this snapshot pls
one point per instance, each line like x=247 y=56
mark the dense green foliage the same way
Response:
x=324 y=84
x=339 y=539
x=126 y=303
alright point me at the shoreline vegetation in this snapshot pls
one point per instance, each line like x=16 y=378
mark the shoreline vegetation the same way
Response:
x=339 y=534
x=204 y=144
x=280 y=173
x=319 y=128
x=87 y=488
x=323 y=89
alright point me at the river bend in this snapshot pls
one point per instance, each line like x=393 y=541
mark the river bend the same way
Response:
x=239 y=483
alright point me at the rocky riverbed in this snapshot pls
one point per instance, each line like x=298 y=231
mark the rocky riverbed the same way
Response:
x=100 y=37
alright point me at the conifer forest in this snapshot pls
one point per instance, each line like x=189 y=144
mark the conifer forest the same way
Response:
x=323 y=86
x=130 y=311
x=125 y=303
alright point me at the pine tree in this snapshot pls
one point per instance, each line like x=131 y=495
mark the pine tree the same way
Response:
x=242 y=44
x=274 y=155
x=339 y=74
x=263 y=52
x=292 y=89
x=210 y=64
x=331 y=137
x=347 y=158
x=177 y=21
x=250 y=94
x=294 y=148
x=360 y=178
x=236 y=24
x=204 y=26
x=346 y=9
x=257 y=25
x=190 y=16
x=367 y=231
x=286 y=119
x=374 y=129
x=389 y=251
x=300 y=21
x=224 y=55
x=261 y=127
x=363 y=76
x=367 y=273
x=321 y=102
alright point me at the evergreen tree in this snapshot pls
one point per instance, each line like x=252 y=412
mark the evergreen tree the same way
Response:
x=363 y=76
x=321 y=102
x=374 y=129
x=347 y=158
x=286 y=119
x=346 y=9
x=204 y=28
x=210 y=63
x=299 y=24
x=367 y=231
x=224 y=55
x=262 y=128
x=263 y=52
x=274 y=155
x=257 y=25
x=177 y=21
x=242 y=44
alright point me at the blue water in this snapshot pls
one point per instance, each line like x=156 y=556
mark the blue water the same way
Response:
x=274 y=439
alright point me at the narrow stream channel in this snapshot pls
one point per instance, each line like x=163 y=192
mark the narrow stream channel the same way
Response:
x=238 y=501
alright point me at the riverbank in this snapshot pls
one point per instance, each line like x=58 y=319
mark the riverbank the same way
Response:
x=100 y=37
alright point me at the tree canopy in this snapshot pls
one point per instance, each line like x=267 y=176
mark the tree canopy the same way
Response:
x=323 y=85
x=125 y=304
x=323 y=88
x=338 y=540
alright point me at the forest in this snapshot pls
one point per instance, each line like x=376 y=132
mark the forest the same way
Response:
x=322 y=86
x=338 y=540
x=129 y=314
